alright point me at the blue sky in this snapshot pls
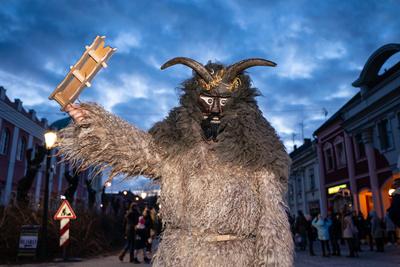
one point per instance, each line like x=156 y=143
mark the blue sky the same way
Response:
x=320 y=48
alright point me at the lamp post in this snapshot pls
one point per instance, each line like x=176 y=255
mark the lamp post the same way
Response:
x=50 y=138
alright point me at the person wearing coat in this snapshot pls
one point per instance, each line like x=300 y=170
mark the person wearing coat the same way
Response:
x=349 y=231
x=130 y=220
x=377 y=231
x=322 y=225
x=394 y=209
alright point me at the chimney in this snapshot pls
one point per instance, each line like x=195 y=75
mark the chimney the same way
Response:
x=2 y=93
x=33 y=114
x=44 y=122
x=307 y=141
x=295 y=147
x=18 y=103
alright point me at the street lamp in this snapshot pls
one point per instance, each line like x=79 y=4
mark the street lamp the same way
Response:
x=143 y=195
x=50 y=139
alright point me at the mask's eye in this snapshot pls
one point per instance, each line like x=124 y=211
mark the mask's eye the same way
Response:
x=222 y=101
x=208 y=100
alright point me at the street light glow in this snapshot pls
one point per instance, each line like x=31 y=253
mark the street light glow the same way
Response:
x=391 y=191
x=50 y=139
x=108 y=184
x=125 y=192
x=143 y=195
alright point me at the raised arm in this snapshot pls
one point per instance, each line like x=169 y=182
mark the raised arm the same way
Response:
x=98 y=138
x=274 y=243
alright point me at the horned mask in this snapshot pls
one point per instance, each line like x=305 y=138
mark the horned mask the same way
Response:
x=217 y=87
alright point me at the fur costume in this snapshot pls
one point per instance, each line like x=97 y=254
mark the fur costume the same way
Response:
x=222 y=202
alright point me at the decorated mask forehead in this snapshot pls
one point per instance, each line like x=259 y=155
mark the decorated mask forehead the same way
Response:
x=215 y=78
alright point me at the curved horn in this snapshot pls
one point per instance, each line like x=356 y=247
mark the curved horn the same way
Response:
x=193 y=64
x=240 y=66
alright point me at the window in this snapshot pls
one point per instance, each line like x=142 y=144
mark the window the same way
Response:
x=21 y=148
x=360 y=148
x=328 y=151
x=299 y=187
x=385 y=134
x=340 y=154
x=312 y=178
x=4 y=141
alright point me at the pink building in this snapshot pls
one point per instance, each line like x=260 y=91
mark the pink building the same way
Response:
x=21 y=130
x=359 y=146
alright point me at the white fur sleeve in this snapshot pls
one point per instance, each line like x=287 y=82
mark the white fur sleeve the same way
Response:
x=274 y=243
x=106 y=141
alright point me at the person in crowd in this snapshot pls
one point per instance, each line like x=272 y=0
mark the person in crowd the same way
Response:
x=390 y=228
x=148 y=227
x=349 y=231
x=394 y=210
x=310 y=235
x=140 y=240
x=377 y=231
x=368 y=232
x=358 y=222
x=300 y=229
x=322 y=225
x=335 y=232
x=130 y=220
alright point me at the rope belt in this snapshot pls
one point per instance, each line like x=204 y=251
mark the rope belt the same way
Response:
x=210 y=237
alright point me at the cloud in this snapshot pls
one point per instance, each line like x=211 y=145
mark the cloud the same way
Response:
x=320 y=49
x=125 y=41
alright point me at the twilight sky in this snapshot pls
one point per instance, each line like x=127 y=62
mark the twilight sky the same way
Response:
x=320 y=48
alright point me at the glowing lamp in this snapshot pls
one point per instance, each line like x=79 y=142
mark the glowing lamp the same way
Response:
x=50 y=138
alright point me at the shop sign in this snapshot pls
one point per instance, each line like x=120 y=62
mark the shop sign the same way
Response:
x=336 y=189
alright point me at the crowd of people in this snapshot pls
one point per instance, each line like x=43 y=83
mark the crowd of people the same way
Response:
x=142 y=227
x=348 y=228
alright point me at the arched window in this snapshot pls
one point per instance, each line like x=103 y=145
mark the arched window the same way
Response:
x=4 y=141
x=21 y=148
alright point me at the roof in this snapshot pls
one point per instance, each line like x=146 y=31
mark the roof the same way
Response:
x=374 y=63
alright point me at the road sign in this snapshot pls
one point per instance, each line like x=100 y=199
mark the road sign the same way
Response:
x=28 y=241
x=65 y=211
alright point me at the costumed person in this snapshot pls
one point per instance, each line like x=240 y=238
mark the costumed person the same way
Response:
x=221 y=166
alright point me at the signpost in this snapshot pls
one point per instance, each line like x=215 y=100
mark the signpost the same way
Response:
x=28 y=241
x=64 y=214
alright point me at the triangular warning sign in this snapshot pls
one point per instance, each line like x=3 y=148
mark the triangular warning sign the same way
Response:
x=65 y=211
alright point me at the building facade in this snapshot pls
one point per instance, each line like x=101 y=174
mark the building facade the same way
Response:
x=21 y=130
x=303 y=193
x=359 y=146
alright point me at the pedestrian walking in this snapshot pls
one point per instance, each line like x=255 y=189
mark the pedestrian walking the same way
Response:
x=140 y=239
x=335 y=234
x=301 y=230
x=377 y=231
x=130 y=220
x=322 y=225
x=390 y=229
x=349 y=231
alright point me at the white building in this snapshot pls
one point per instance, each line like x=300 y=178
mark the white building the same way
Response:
x=303 y=194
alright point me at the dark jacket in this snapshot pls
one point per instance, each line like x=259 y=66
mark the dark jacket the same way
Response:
x=394 y=210
x=131 y=219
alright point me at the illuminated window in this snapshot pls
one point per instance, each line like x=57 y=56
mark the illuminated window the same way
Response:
x=4 y=141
